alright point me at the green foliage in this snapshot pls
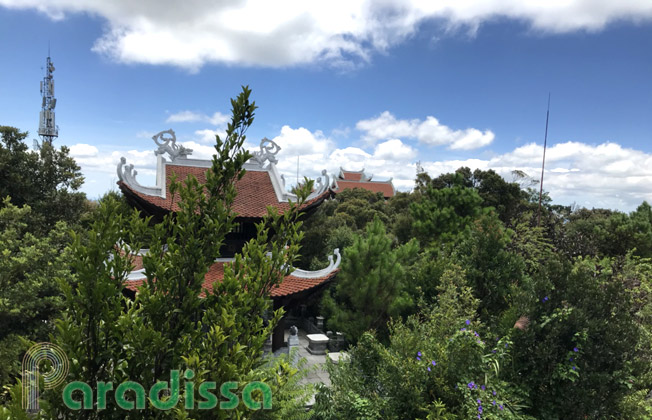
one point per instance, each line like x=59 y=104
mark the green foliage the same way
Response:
x=582 y=342
x=48 y=180
x=175 y=322
x=436 y=365
x=30 y=298
x=494 y=273
x=445 y=214
x=371 y=284
x=335 y=222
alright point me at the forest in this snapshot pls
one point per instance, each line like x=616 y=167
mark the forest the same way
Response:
x=461 y=299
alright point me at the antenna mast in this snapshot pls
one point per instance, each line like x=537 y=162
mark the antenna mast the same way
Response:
x=543 y=164
x=47 y=128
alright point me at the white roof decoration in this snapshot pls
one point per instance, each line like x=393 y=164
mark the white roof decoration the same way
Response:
x=263 y=160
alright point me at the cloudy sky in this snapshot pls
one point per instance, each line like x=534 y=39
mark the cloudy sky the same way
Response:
x=380 y=85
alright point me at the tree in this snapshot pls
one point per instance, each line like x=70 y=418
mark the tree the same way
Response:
x=48 y=180
x=437 y=365
x=444 y=214
x=335 y=222
x=169 y=325
x=371 y=284
x=30 y=298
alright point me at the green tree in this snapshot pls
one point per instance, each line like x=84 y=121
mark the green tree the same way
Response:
x=30 y=298
x=335 y=222
x=48 y=180
x=371 y=287
x=170 y=325
x=444 y=214
x=437 y=365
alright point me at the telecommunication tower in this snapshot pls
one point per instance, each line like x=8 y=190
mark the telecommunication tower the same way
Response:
x=47 y=128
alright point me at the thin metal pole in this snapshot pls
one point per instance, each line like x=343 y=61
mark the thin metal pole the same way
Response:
x=543 y=164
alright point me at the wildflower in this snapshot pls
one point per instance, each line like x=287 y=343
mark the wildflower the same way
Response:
x=418 y=358
x=480 y=409
x=493 y=351
x=570 y=360
x=428 y=368
x=493 y=402
x=434 y=363
x=471 y=385
x=500 y=406
x=479 y=401
x=468 y=322
x=462 y=329
x=494 y=393
x=573 y=367
x=545 y=299
x=575 y=349
x=482 y=387
x=476 y=334
x=419 y=353
x=479 y=416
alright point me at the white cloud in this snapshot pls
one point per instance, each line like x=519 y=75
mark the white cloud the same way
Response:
x=430 y=131
x=394 y=150
x=295 y=32
x=301 y=141
x=603 y=175
x=217 y=118
x=207 y=135
x=83 y=150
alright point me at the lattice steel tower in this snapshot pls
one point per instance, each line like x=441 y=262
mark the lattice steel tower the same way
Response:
x=47 y=128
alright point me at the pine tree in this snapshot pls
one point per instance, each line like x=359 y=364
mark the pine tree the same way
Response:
x=370 y=287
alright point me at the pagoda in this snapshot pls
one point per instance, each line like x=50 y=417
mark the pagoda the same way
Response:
x=261 y=186
x=358 y=179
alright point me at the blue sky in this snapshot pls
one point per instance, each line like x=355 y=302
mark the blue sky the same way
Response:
x=352 y=84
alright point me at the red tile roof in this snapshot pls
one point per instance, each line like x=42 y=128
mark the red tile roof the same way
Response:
x=385 y=188
x=351 y=176
x=289 y=286
x=254 y=192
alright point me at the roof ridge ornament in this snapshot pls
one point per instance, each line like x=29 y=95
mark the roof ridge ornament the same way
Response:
x=321 y=185
x=169 y=145
x=267 y=152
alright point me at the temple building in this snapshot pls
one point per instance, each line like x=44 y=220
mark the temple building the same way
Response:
x=261 y=186
x=358 y=179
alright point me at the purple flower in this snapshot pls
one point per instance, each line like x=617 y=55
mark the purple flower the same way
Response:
x=573 y=367
x=479 y=401
x=505 y=345
x=575 y=349
x=570 y=360
x=493 y=351
x=480 y=409
x=471 y=385
x=479 y=416
x=462 y=329
x=494 y=393
x=493 y=402
x=434 y=363
x=476 y=334
x=482 y=387
x=428 y=368
x=419 y=353
x=418 y=358
x=468 y=322
x=500 y=406
x=545 y=299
